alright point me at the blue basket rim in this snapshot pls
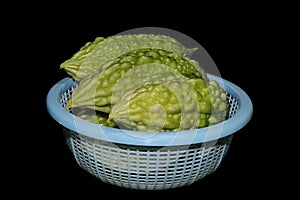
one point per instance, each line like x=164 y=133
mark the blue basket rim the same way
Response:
x=186 y=137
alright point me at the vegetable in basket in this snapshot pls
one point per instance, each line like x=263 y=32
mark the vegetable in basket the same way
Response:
x=143 y=82
x=94 y=54
x=95 y=91
x=159 y=99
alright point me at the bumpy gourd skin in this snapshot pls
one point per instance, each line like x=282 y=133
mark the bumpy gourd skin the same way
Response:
x=143 y=82
x=143 y=104
x=94 y=54
x=95 y=91
x=94 y=116
x=159 y=99
x=219 y=104
x=74 y=67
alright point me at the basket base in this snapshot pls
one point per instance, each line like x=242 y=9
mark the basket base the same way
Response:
x=143 y=167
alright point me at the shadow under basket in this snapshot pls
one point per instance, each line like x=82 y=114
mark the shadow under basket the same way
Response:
x=148 y=161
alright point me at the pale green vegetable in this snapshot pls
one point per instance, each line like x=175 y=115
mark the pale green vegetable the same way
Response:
x=147 y=102
x=212 y=101
x=94 y=54
x=143 y=82
x=73 y=65
x=93 y=116
x=157 y=99
x=95 y=91
x=219 y=103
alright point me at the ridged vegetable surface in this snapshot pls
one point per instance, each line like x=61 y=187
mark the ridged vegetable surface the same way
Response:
x=94 y=54
x=143 y=82
x=95 y=91
x=159 y=99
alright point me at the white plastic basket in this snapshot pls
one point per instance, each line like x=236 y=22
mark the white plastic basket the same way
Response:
x=140 y=160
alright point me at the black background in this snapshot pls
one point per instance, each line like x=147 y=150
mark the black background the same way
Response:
x=237 y=43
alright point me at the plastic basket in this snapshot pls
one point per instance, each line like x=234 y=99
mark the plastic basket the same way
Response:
x=140 y=160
